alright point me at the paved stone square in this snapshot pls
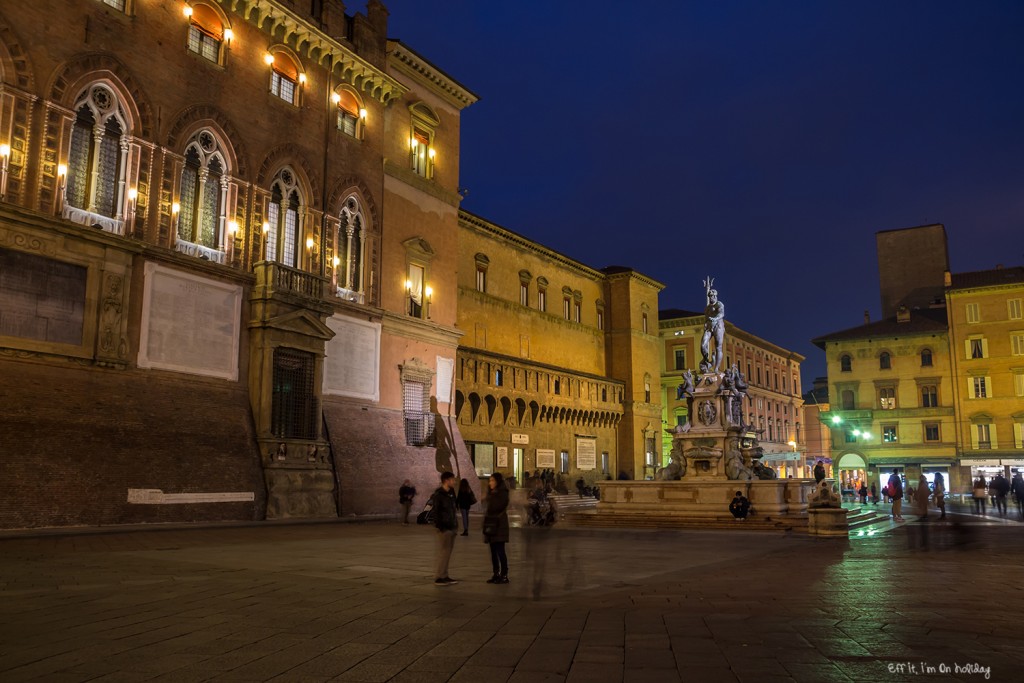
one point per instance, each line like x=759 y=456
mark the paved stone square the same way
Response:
x=356 y=602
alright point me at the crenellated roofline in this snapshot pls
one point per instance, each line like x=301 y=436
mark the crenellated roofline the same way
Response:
x=308 y=41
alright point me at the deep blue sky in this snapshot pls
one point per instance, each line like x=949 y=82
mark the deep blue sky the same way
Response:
x=762 y=142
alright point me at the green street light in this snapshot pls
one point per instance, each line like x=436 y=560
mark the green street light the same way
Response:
x=856 y=432
x=866 y=435
x=836 y=419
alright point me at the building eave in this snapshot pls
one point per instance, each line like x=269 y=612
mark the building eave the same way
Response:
x=405 y=60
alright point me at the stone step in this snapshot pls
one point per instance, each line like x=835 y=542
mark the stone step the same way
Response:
x=649 y=521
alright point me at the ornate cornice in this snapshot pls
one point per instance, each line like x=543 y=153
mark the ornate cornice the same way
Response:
x=310 y=42
x=407 y=61
x=420 y=330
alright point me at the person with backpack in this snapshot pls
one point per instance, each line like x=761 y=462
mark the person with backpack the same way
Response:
x=447 y=524
x=979 y=492
x=465 y=500
x=895 y=491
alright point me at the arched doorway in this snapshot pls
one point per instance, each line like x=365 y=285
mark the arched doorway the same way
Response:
x=851 y=472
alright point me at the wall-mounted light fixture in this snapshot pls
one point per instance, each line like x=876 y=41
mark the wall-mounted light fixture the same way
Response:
x=187 y=11
x=309 y=243
x=268 y=59
x=302 y=79
x=362 y=113
x=336 y=98
x=431 y=153
x=62 y=184
x=133 y=196
x=229 y=35
x=175 y=214
x=5 y=155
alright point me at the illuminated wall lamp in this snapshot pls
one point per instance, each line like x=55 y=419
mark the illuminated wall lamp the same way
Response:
x=229 y=35
x=429 y=291
x=336 y=98
x=336 y=262
x=5 y=153
x=62 y=183
x=187 y=11
x=302 y=79
x=268 y=59
x=232 y=227
x=362 y=113
x=309 y=243
x=431 y=153
x=133 y=195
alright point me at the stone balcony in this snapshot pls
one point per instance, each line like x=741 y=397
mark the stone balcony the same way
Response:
x=93 y=220
x=278 y=278
x=199 y=251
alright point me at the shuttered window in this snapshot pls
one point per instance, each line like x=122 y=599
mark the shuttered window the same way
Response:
x=419 y=421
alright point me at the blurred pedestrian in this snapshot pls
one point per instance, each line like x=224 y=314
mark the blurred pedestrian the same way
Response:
x=446 y=521
x=496 y=527
x=940 y=494
x=874 y=493
x=406 y=492
x=863 y=493
x=1000 y=488
x=979 y=492
x=1017 y=486
x=895 y=491
x=465 y=500
x=819 y=471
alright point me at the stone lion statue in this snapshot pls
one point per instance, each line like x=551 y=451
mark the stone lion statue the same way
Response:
x=676 y=468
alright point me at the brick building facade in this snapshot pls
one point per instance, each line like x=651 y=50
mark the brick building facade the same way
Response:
x=228 y=236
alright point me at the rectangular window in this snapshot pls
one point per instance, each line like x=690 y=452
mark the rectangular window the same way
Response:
x=604 y=463
x=564 y=462
x=600 y=318
x=931 y=431
x=576 y=313
x=889 y=434
x=542 y=299
x=978 y=387
x=929 y=396
x=347 y=123
x=887 y=398
x=644 y=323
x=481 y=280
x=977 y=347
x=984 y=433
x=283 y=87
x=499 y=377
x=414 y=288
x=291 y=236
x=524 y=294
x=566 y=308
x=973 y=314
x=203 y=43
x=680 y=359
x=419 y=421
x=1017 y=344
x=116 y=4
x=1013 y=309
x=1018 y=434
x=482 y=455
x=1018 y=384
x=294 y=410
x=850 y=438
x=420 y=153
x=558 y=386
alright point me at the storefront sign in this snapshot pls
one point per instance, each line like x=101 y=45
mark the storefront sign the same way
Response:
x=545 y=458
x=522 y=439
x=502 y=456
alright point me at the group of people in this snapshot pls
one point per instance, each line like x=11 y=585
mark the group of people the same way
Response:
x=918 y=496
x=448 y=501
x=998 y=490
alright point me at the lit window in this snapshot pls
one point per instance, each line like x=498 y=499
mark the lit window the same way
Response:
x=845 y=364
x=977 y=347
x=96 y=162
x=284 y=219
x=889 y=434
x=204 y=188
x=421 y=139
x=348 y=112
x=499 y=377
x=885 y=361
x=205 y=33
x=564 y=462
x=414 y=288
x=887 y=398
x=116 y=4
x=284 y=78
x=647 y=390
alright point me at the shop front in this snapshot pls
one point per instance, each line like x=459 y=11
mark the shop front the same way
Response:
x=851 y=473
x=787 y=464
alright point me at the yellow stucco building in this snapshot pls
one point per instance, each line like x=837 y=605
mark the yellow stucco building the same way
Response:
x=557 y=362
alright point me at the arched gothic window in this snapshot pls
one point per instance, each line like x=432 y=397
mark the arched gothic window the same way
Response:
x=204 y=185
x=284 y=218
x=97 y=160
x=351 y=246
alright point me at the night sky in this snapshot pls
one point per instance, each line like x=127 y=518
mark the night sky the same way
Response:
x=763 y=143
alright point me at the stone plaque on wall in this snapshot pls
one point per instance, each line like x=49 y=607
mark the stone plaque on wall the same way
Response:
x=190 y=324
x=352 y=363
x=41 y=298
x=545 y=458
x=586 y=454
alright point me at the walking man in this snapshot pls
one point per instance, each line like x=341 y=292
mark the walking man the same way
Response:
x=406 y=492
x=446 y=521
x=1018 y=491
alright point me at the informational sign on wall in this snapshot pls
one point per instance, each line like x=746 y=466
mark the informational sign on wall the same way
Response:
x=352 y=361
x=502 y=456
x=190 y=323
x=41 y=299
x=520 y=439
x=586 y=453
x=545 y=458
x=445 y=371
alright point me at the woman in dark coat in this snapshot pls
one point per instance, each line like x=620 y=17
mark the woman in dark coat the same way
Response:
x=496 y=527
